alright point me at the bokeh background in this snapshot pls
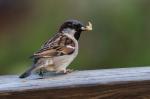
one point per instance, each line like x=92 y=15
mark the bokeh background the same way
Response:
x=120 y=36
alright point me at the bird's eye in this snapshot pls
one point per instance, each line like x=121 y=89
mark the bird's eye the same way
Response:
x=70 y=25
x=77 y=26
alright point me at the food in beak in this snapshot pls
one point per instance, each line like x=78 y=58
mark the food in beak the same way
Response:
x=88 y=27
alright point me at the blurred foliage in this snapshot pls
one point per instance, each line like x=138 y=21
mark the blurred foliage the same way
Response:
x=120 y=38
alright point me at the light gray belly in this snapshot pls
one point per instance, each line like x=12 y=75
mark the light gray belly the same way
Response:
x=62 y=62
x=58 y=63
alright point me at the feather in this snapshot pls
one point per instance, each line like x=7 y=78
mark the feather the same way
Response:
x=59 y=45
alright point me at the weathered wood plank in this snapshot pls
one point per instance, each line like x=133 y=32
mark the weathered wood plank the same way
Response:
x=122 y=83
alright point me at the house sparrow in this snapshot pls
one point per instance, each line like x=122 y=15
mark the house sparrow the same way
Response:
x=59 y=51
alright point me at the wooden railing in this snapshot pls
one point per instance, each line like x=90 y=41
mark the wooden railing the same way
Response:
x=121 y=83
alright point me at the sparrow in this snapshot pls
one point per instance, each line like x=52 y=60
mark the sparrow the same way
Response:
x=59 y=51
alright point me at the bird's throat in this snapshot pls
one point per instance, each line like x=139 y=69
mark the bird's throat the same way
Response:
x=72 y=32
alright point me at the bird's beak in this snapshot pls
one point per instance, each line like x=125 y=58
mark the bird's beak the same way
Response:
x=88 y=27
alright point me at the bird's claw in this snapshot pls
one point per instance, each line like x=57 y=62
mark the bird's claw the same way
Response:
x=68 y=71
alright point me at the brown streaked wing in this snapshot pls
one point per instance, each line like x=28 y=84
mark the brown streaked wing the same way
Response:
x=67 y=50
x=55 y=47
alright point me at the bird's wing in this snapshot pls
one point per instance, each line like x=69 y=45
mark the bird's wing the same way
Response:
x=57 y=46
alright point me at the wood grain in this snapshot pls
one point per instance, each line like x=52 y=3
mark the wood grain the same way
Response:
x=121 y=83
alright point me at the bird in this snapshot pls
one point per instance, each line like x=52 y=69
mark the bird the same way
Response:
x=58 y=52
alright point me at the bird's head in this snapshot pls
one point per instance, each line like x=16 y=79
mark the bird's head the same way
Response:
x=74 y=27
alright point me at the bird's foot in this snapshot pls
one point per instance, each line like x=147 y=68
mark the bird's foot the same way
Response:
x=68 y=71
x=65 y=71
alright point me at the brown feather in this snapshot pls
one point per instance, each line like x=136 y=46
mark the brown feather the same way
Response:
x=56 y=46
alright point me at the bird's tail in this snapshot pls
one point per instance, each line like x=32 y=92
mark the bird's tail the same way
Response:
x=27 y=73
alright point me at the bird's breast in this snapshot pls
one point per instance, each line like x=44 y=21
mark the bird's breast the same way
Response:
x=65 y=60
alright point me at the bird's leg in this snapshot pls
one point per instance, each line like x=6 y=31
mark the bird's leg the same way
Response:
x=41 y=72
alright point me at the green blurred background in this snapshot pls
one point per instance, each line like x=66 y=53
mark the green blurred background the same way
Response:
x=120 y=36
